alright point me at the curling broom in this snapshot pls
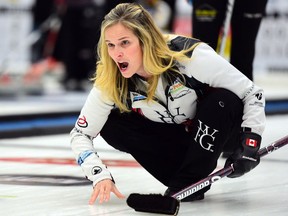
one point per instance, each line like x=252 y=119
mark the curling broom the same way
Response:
x=157 y=203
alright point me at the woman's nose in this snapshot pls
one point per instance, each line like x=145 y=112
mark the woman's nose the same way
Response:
x=119 y=53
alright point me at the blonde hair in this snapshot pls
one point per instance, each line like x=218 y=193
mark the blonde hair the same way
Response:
x=157 y=57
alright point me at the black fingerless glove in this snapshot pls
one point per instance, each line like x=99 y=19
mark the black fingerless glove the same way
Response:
x=245 y=158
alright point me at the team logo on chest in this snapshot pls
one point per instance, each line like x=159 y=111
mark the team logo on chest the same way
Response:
x=205 y=135
x=178 y=90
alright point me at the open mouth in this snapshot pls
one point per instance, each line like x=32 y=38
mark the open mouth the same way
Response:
x=123 y=65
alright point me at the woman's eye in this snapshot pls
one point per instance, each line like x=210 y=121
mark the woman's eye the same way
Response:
x=125 y=42
x=110 y=45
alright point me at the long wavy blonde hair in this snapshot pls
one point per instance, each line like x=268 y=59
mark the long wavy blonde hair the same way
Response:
x=157 y=57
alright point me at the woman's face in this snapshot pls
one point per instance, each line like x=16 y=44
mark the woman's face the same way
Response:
x=125 y=49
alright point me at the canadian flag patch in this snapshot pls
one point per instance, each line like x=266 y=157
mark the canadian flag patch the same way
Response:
x=251 y=142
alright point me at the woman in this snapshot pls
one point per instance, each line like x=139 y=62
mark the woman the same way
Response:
x=169 y=101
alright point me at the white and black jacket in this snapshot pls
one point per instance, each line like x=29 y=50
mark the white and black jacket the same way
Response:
x=206 y=69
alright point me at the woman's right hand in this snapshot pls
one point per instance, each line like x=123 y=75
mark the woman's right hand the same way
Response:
x=102 y=191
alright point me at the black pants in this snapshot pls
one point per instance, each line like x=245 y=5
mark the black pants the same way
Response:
x=207 y=26
x=175 y=157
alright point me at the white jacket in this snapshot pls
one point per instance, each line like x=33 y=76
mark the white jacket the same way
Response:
x=176 y=103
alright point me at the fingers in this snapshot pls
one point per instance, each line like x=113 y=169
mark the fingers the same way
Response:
x=102 y=192
x=104 y=195
x=117 y=193
x=93 y=197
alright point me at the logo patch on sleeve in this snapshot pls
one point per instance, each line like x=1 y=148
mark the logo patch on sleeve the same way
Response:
x=82 y=122
x=251 y=142
x=96 y=170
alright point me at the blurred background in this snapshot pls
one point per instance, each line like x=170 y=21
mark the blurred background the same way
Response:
x=48 y=54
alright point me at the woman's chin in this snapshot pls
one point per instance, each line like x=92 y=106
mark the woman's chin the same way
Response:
x=126 y=74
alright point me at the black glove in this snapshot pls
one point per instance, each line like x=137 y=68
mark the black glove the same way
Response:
x=245 y=158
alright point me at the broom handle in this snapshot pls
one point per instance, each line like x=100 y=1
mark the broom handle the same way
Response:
x=212 y=178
